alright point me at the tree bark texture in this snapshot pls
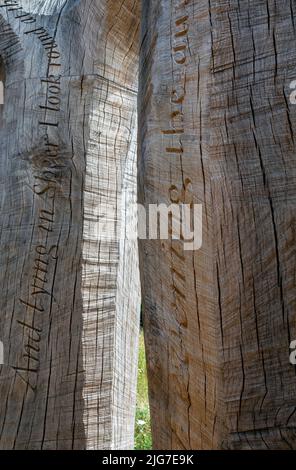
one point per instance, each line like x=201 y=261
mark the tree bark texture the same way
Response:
x=69 y=317
x=217 y=128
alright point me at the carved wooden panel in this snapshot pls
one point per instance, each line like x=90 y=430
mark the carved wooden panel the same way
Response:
x=217 y=128
x=69 y=320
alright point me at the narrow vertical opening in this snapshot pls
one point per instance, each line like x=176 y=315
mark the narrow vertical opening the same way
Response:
x=143 y=437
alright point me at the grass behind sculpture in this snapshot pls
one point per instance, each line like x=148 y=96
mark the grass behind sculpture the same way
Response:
x=143 y=439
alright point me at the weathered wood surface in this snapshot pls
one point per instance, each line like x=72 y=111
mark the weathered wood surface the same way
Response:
x=219 y=321
x=69 y=318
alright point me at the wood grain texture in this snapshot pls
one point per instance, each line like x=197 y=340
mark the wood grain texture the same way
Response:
x=216 y=128
x=69 y=318
x=219 y=321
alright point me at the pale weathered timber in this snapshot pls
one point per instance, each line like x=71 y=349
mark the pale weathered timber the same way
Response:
x=69 y=317
x=217 y=128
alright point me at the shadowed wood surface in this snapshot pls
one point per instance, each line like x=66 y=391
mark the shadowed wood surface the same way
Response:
x=69 y=318
x=217 y=128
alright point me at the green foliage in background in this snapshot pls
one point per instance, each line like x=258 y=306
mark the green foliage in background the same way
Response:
x=143 y=439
